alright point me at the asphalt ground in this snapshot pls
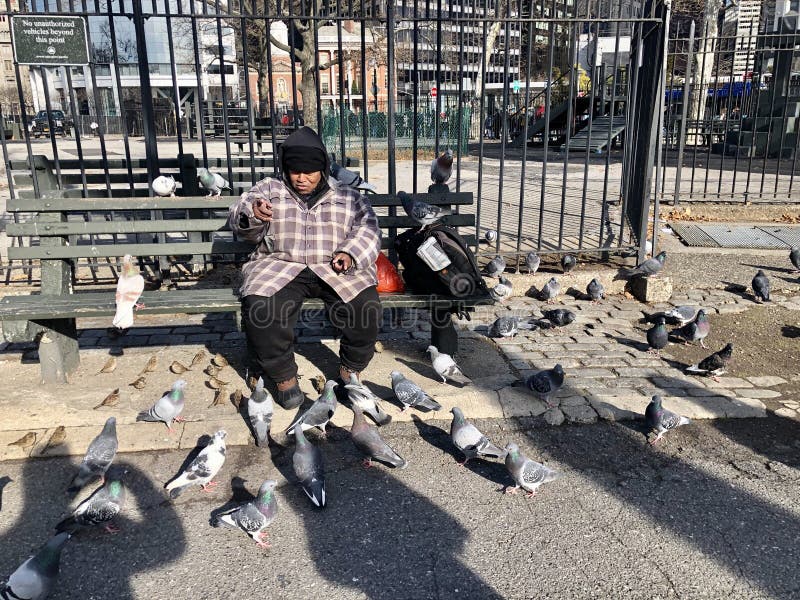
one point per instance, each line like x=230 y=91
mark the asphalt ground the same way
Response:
x=710 y=512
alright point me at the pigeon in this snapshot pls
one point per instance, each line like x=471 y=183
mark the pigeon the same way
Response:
x=560 y=317
x=532 y=261
x=507 y=327
x=362 y=397
x=491 y=236
x=568 y=262
x=423 y=213
x=129 y=289
x=697 y=330
x=168 y=408
x=550 y=290
x=446 y=367
x=350 y=178
x=367 y=439
x=98 y=458
x=660 y=419
x=683 y=314
x=101 y=507
x=442 y=167
x=34 y=579
x=657 y=336
x=213 y=182
x=496 y=266
x=502 y=291
x=254 y=517
x=527 y=474
x=164 y=186
x=714 y=364
x=794 y=256
x=652 y=266
x=469 y=439
x=319 y=413
x=308 y=467
x=761 y=287
x=545 y=383
x=596 y=291
x=202 y=469
x=259 y=411
x=411 y=395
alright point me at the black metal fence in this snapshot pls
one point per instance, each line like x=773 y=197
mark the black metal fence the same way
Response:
x=546 y=104
x=731 y=124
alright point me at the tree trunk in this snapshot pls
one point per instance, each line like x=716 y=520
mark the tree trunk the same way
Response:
x=264 y=89
x=308 y=85
x=704 y=61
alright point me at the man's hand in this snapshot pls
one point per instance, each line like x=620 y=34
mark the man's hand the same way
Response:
x=262 y=209
x=341 y=262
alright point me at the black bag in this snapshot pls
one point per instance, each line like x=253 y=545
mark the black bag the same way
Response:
x=459 y=279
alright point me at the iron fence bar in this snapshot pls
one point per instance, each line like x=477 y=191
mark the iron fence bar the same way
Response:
x=250 y=122
x=571 y=102
x=481 y=144
x=112 y=30
x=660 y=119
x=684 y=111
x=78 y=145
x=783 y=121
x=523 y=166
x=700 y=88
x=438 y=82
x=728 y=109
x=752 y=137
x=199 y=96
x=6 y=162
x=390 y=129
x=612 y=110
x=548 y=100
x=174 y=74
x=271 y=104
x=632 y=121
x=460 y=109
x=292 y=59
x=587 y=149
x=50 y=124
x=317 y=70
x=148 y=115
x=503 y=133
x=226 y=130
x=708 y=123
x=415 y=103
x=773 y=86
x=340 y=63
x=364 y=108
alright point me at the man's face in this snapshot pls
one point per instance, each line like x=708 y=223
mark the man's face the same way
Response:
x=305 y=183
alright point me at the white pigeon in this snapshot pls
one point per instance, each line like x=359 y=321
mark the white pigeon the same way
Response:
x=129 y=289
x=164 y=186
x=502 y=291
x=213 y=182
x=203 y=468
x=259 y=411
x=446 y=367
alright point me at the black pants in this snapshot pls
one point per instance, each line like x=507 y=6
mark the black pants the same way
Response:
x=269 y=325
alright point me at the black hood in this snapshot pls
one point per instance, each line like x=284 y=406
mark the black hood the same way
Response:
x=307 y=139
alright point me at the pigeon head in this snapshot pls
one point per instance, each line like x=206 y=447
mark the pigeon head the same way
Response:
x=111 y=424
x=431 y=349
x=458 y=415
x=504 y=280
x=259 y=384
x=761 y=273
x=559 y=371
x=512 y=450
x=395 y=375
x=701 y=316
x=661 y=256
x=661 y=321
x=220 y=436
x=330 y=384
x=656 y=401
x=727 y=351
x=128 y=268
x=267 y=489
x=553 y=281
x=179 y=385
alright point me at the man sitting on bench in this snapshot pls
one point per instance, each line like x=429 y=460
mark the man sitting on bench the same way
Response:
x=317 y=238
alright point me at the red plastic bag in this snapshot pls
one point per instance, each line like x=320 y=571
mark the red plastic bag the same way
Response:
x=389 y=279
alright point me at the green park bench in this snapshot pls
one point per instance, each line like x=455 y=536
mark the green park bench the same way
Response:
x=59 y=232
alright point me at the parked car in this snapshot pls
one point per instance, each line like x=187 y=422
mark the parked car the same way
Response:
x=41 y=124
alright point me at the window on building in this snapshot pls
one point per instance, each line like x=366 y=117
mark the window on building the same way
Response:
x=325 y=87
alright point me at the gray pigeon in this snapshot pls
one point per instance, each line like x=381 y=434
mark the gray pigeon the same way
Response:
x=532 y=261
x=213 y=182
x=168 y=408
x=545 y=383
x=713 y=365
x=527 y=474
x=695 y=331
x=650 y=267
x=446 y=367
x=683 y=314
x=100 y=508
x=507 y=327
x=308 y=468
x=259 y=411
x=254 y=517
x=371 y=444
x=469 y=439
x=568 y=262
x=496 y=266
x=550 y=290
x=794 y=256
x=657 y=336
x=490 y=236
x=350 y=178
x=411 y=395
x=442 y=167
x=660 y=419
x=560 y=317
x=423 y=213
x=761 y=287
x=502 y=291
x=98 y=458
x=596 y=291
x=203 y=468
x=362 y=397
x=319 y=413
x=34 y=579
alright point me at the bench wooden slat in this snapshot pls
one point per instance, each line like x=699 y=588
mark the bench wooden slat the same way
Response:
x=21 y=164
x=35 y=228
x=108 y=250
x=189 y=301
x=219 y=202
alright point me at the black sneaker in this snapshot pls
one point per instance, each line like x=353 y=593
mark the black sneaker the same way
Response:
x=291 y=398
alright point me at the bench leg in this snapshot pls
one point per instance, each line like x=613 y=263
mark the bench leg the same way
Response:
x=58 y=350
x=443 y=332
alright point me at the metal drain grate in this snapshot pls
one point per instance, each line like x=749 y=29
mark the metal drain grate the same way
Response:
x=737 y=236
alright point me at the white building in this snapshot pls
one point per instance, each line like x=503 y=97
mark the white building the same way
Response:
x=740 y=28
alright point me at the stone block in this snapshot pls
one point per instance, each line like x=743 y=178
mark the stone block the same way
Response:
x=519 y=402
x=766 y=381
x=787 y=413
x=553 y=416
x=627 y=407
x=758 y=393
x=650 y=289
x=584 y=414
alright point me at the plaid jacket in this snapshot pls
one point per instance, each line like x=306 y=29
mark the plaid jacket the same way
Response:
x=296 y=238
